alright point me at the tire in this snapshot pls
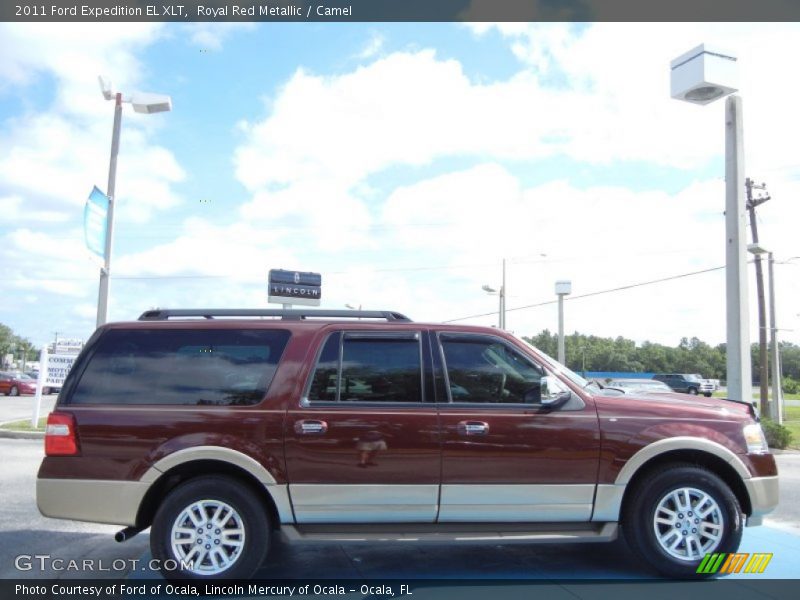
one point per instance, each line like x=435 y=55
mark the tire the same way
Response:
x=707 y=394
x=14 y=391
x=692 y=391
x=719 y=528
x=244 y=521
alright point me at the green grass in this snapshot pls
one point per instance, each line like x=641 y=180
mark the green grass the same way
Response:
x=757 y=394
x=25 y=425
x=791 y=420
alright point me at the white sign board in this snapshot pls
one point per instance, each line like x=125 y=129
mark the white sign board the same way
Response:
x=67 y=346
x=58 y=365
x=53 y=369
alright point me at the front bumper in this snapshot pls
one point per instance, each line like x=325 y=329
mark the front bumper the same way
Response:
x=763 y=492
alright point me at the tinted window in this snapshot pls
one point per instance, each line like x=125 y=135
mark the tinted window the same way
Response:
x=195 y=367
x=323 y=383
x=481 y=370
x=372 y=369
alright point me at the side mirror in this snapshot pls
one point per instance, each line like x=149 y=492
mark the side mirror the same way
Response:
x=553 y=392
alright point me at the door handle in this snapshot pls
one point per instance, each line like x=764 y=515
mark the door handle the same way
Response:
x=307 y=427
x=473 y=428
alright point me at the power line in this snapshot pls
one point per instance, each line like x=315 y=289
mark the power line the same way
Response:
x=598 y=293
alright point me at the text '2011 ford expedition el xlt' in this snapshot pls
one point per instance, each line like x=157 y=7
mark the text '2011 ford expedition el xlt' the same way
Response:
x=216 y=428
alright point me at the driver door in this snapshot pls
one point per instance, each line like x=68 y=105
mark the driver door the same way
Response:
x=506 y=458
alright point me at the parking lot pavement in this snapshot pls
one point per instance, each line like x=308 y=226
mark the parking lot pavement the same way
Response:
x=14 y=408
x=448 y=561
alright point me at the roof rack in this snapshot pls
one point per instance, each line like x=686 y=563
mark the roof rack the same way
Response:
x=164 y=314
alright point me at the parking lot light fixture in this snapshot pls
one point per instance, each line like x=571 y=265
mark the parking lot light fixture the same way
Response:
x=700 y=76
x=142 y=103
x=501 y=293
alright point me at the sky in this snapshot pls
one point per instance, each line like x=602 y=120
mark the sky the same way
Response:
x=403 y=162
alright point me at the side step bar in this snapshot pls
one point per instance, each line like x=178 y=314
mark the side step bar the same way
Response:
x=562 y=533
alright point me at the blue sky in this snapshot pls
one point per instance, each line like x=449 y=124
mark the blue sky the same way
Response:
x=402 y=161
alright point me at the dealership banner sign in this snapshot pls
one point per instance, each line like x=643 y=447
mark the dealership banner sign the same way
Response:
x=295 y=287
x=95 y=215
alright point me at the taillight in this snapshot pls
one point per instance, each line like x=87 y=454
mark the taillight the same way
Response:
x=60 y=438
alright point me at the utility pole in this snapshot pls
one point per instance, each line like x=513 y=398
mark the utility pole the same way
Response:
x=763 y=377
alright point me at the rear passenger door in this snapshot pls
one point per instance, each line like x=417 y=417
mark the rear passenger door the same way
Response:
x=362 y=444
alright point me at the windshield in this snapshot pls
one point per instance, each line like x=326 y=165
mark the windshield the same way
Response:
x=557 y=367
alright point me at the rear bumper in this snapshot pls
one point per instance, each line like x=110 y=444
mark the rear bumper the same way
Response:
x=96 y=501
x=763 y=492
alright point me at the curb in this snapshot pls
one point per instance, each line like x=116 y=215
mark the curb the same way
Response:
x=19 y=435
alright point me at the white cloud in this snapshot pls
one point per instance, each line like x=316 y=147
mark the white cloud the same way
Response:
x=373 y=46
x=211 y=36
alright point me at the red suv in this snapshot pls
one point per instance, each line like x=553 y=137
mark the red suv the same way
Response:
x=217 y=428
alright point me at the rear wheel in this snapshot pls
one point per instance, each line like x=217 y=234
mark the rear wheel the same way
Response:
x=677 y=515
x=212 y=528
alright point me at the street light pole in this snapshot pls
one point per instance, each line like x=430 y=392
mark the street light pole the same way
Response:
x=501 y=294
x=105 y=271
x=503 y=299
x=701 y=76
x=563 y=288
x=145 y=103
x=738 y=360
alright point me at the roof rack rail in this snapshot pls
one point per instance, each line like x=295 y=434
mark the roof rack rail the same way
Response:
x=164 y=314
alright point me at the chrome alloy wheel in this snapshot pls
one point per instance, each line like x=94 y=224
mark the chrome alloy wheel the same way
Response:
x=207 y=537
x=688 y=524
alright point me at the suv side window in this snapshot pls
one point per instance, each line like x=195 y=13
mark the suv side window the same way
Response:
x=483 y=370
x=172 y=366
x=368 y=367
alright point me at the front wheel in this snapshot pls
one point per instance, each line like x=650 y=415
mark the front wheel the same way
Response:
x=677 y=515
x=14 y=391
x=692 y=391
x=210 y=528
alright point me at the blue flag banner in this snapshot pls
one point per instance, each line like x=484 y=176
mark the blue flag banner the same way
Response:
x=95 y=215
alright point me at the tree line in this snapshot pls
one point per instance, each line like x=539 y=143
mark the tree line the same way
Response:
x=691 y=355
x=17 y=346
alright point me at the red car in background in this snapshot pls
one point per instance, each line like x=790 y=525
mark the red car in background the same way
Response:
x=14 y=384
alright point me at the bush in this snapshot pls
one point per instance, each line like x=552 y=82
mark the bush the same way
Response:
x=777 y=435
x=790 y=386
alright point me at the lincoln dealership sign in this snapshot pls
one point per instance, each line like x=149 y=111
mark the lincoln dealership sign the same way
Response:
x=295 y=287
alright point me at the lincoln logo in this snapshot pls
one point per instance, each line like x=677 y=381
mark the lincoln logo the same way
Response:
x=286 y=290
x=296 y=278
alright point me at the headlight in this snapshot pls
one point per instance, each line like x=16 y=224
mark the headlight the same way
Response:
x=754 y=438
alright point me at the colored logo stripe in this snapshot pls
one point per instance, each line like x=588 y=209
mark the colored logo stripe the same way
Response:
x=722 y=562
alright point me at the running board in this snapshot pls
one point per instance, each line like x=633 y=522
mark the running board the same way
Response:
x=562 y=533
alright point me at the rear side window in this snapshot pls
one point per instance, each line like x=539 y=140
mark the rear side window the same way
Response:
x=181 y=367
x=368 y=368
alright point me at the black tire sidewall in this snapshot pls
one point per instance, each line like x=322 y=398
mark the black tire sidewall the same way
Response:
x=226 y=489
x=638 y=517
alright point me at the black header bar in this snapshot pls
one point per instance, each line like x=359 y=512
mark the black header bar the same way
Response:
x=105 y=11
